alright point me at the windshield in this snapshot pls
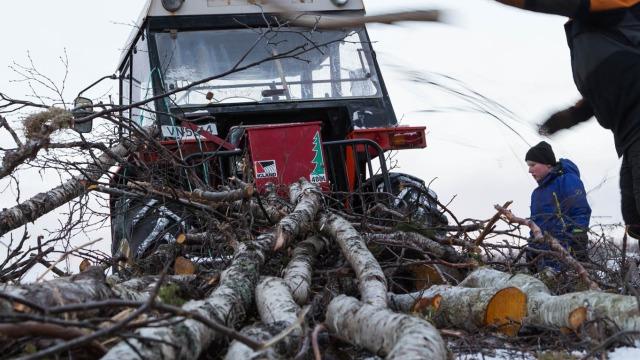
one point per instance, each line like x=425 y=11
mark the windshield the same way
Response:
x=277 y=65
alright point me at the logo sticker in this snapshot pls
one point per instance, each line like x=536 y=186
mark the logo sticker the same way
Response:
x=266 y=169
x=318 y=173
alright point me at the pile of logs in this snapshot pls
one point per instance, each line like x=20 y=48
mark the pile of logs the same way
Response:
x=311 y=284
x=261 y=276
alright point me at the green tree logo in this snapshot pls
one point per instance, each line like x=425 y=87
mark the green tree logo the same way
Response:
x=318 y=173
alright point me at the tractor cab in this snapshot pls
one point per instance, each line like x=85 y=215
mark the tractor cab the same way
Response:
x=238 y=90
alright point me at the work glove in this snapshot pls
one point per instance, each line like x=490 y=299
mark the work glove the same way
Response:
x=566 y=118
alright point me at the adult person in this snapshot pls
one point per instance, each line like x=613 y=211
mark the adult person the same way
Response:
x=558 y=205
x=604 y=42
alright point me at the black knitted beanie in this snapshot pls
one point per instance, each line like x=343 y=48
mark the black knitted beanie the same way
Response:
x=542 y=153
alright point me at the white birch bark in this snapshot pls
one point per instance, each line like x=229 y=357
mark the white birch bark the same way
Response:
x=308 y=200
x=547 y=310
x=298 y=272
x=419 y=241
x=76 y=289
x=277 y=311
x=371 y=280
x=42 y=203
x=227 y=304
x=88 y=286
x=384 y=332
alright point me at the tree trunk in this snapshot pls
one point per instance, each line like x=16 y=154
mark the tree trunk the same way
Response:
x=298 y=272
x=371 y=280
x=277 y=311
x=308 y=200
x=383 y=332
x=467 y=308
x=88 y=286
x=227 y=304
x=76 y=289
x=563 y=311
x=42 y=203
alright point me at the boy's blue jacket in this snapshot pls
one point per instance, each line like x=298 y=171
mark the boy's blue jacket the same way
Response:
x=559 y=205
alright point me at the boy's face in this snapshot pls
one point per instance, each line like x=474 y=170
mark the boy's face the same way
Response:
x=537 y=170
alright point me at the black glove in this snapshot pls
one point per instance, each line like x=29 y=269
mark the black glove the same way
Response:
x=566 y=118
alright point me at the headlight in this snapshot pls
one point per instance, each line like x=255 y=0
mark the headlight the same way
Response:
x=173 y=5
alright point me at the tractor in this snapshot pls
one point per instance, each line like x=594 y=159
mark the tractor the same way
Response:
x=238 y=90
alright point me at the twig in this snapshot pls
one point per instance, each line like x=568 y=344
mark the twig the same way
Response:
x=314 y=341
x=553 y=244
x=490 y=224
x=31 y=328
x=64 y=256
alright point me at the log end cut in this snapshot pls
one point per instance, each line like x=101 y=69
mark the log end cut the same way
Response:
x=577 y=317
x=506 y=310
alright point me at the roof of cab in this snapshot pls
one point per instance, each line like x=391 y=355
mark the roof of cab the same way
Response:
x=154 y=8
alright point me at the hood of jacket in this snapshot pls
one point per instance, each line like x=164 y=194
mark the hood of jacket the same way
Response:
x=564 y=166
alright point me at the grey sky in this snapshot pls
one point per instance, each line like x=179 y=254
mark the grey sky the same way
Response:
x=517 y=58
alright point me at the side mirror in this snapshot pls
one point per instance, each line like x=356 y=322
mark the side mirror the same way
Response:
x=82 y=107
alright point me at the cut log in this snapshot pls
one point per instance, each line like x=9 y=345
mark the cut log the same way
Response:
x=298 y=272
x=562 y=311
x=467 y=308
x=384 y=332
x=278 y=312
x=371 y=280
x=42 y=203
x=88 y=286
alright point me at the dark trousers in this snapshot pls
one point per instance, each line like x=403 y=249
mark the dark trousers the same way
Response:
x=630 y=189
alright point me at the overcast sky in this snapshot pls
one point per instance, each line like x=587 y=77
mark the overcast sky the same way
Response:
x=516 y=58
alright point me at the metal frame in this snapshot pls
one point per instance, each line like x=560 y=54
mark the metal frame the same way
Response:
x=336 y=173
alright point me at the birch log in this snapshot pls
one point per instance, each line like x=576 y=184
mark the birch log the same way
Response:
x=371 y=280
x=298 y=272
x=444 y=252
x=88 y=286
x=278 y=312
x=308 y=200
x=467 y=308
x=84 y=287
x=384 y=332
x=227 y=304
x=42 y=203
x=563 y=311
